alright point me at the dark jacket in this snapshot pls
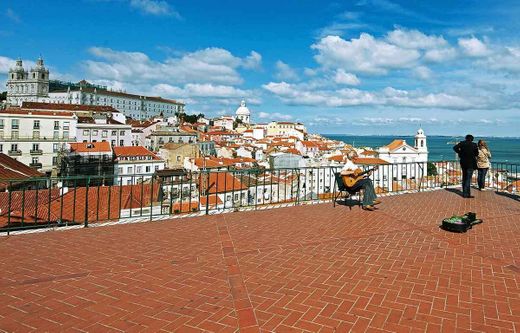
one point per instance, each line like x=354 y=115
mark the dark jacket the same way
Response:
x=468 y=152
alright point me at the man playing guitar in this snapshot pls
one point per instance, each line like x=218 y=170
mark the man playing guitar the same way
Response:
x=356 y=179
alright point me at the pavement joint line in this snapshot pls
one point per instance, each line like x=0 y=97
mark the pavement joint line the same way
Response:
x=235 y=278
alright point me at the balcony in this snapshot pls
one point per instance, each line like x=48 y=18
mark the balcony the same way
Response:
x=14 y=153
x=301 y=268
x=40 y=139
x=36 y=152
x=35 y=165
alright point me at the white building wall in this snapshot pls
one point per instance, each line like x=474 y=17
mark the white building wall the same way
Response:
x=117 y=135
x=135 y=172
x=35 y=138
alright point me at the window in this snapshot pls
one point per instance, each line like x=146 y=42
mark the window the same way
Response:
x=114 y=133
x=14 y=134
x=104 y=134
x=14 y=147
x=147 y=168
x=56 y=135
x=120 y=170
x=56 y=125
x=55 y=160
x=121 y=132
x=36 y=134
x=129 y=170
x=1 y=148
x=35 y=160
x=15 y=124
x=86 y=132
x=55 y=147
x=66 y=125
x=94 y=132
x=1 y=123
x=139 y=169
x=121 y=142
x=178 y=158
x=36 y=124
x=113 y=143
x=156 y=167
x=65 y=134
x=35 y=146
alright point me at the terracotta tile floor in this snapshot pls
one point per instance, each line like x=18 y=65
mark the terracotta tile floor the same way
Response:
x=309 y=268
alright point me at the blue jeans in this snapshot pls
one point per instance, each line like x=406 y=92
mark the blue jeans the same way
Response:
x=481 y=178
x=466 y=182
x=369 y=193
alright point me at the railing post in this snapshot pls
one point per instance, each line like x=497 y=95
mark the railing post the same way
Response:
x=85 y=223
x=207 y=194
x=152 y=192
x=9 y=207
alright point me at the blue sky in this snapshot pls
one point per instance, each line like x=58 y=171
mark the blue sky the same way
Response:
x=360 y=67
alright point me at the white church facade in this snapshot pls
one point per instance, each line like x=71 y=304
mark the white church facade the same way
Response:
x=243 y=114
x=406 y=162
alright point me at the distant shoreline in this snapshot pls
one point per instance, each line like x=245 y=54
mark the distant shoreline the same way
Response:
x=429 y=135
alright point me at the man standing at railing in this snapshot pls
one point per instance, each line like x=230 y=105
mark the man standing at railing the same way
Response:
x=468 y=152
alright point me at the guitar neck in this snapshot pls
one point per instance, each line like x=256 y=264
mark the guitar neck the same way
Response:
x=366 y=171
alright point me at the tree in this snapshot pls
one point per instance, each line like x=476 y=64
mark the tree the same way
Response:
x=3 y=96
x=191 y=118
x=431 y=169
x=237 y=122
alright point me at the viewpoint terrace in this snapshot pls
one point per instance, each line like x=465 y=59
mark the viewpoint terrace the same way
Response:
x=310 y=268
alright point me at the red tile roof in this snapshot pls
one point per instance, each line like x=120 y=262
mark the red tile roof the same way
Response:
x=220 y=182
x=337 y=158
x=12 y=169
x=369 y=153
x=133 y=151
x=395 y=144
x=310 y=144
x=369 y=161
x=34 y=203
x=72 y=205
x=36 y=112
x=90 y=147
x=67 y=107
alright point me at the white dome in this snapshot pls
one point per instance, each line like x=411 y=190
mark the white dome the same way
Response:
x=420 y=132
x=243 y=110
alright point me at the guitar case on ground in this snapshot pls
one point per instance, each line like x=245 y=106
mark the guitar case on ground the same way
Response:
x=460 y=223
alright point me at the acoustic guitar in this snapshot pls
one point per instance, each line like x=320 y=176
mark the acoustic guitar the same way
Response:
x=351 y=179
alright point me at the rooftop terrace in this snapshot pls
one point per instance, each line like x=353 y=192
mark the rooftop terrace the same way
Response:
x=309 y=268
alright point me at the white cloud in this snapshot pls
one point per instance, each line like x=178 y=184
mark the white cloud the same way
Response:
x=365 y=54
x=508 y=60
x=423 y=72
x=201 y=90
x=210 y=65
x=252 y=61
x=414 y=39
x=294 y=94
x=274 y=116
x=440 y=55
x=154 y=7
x=5 y=64
x=285 y=72
x=342 y=77
x=473 y=47
x=310 y=72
